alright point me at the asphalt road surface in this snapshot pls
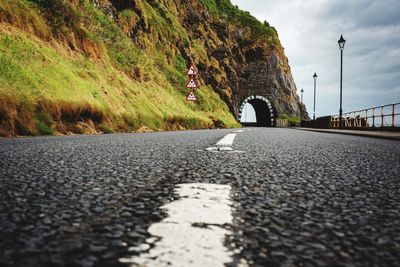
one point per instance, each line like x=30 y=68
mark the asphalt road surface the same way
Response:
x=261 y=197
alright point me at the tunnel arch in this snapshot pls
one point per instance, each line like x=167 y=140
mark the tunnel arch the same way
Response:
x=265 y=114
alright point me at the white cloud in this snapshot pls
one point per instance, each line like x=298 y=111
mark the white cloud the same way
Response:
x=309 y=31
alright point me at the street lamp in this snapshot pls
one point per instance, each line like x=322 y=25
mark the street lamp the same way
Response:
x=315 y=90
x=341 y=43
x=302 y=92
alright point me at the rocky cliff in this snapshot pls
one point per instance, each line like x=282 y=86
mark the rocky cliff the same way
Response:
x=85 y=66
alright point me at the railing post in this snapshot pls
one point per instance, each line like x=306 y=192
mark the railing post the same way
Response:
x=355 y=120
x=393 y=115
x=382 y=116
x=373 y=117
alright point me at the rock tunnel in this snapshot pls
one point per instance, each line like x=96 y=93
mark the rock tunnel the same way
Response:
x=264 y=112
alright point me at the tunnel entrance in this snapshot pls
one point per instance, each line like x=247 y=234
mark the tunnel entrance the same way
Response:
x=256 y=111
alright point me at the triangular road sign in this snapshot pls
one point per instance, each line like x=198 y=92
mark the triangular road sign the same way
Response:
x=192 y=71
x=192 y=84
x=191 y=96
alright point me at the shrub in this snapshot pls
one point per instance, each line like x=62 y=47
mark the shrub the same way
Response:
x=44 y=123
x=289 y=118
x=105 y=129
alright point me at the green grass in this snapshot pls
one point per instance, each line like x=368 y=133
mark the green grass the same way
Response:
x=44 y=123
x=120 y=48
x=105 y=129
x=45 y=79
x=289 y=118
x=211 y=5
x=43 y=128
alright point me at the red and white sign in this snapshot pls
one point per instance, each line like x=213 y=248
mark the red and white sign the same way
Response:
x=192 y=71
x=191 y=96
x=192 y=84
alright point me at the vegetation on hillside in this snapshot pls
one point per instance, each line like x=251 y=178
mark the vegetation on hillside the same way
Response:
x=66 y=67
x=289 y=118
x=259 y=30
x=71 y=67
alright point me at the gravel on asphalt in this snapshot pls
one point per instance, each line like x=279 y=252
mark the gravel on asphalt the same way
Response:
x=300 y=198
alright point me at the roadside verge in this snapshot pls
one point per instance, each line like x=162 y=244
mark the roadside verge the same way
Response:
x=373 y=134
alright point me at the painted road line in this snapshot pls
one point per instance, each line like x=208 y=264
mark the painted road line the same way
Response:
x=239 y=131
x=227 y=140
x=221 y=148
x=193 y=234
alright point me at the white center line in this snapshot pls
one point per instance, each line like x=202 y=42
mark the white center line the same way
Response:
x=193 y=233
x=227 y=140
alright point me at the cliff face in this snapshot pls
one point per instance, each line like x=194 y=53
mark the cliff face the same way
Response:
x=236 y=54
x=86 y=66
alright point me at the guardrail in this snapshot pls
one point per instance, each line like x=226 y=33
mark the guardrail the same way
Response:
x=381 y=116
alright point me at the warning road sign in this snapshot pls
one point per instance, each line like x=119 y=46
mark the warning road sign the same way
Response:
x=192 y=71
x=192 y=84
x=191 y=96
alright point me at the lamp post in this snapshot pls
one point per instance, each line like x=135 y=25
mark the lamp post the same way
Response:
x=302 y=92
x=341 y=43
x=315 y=91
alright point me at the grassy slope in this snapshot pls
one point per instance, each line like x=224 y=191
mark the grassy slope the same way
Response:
x=81 y=73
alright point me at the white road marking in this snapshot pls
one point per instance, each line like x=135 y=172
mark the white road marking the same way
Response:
x=239 y=131
x=227 y=140
x=193 y=233
x=221 y=148
x=225 y=148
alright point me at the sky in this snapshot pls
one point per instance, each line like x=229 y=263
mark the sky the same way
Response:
x=309 y=31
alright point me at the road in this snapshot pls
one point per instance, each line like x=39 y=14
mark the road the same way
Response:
x=281 y=197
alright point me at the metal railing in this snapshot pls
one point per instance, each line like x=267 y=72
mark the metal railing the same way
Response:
x=381 y=116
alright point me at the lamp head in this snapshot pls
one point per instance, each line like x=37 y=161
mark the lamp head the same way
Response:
x=341 y=42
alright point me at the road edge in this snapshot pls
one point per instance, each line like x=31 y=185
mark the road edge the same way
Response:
x=375 y=134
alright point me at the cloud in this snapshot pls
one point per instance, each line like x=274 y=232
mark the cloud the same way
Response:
x=309 y=31
x=366 y=13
